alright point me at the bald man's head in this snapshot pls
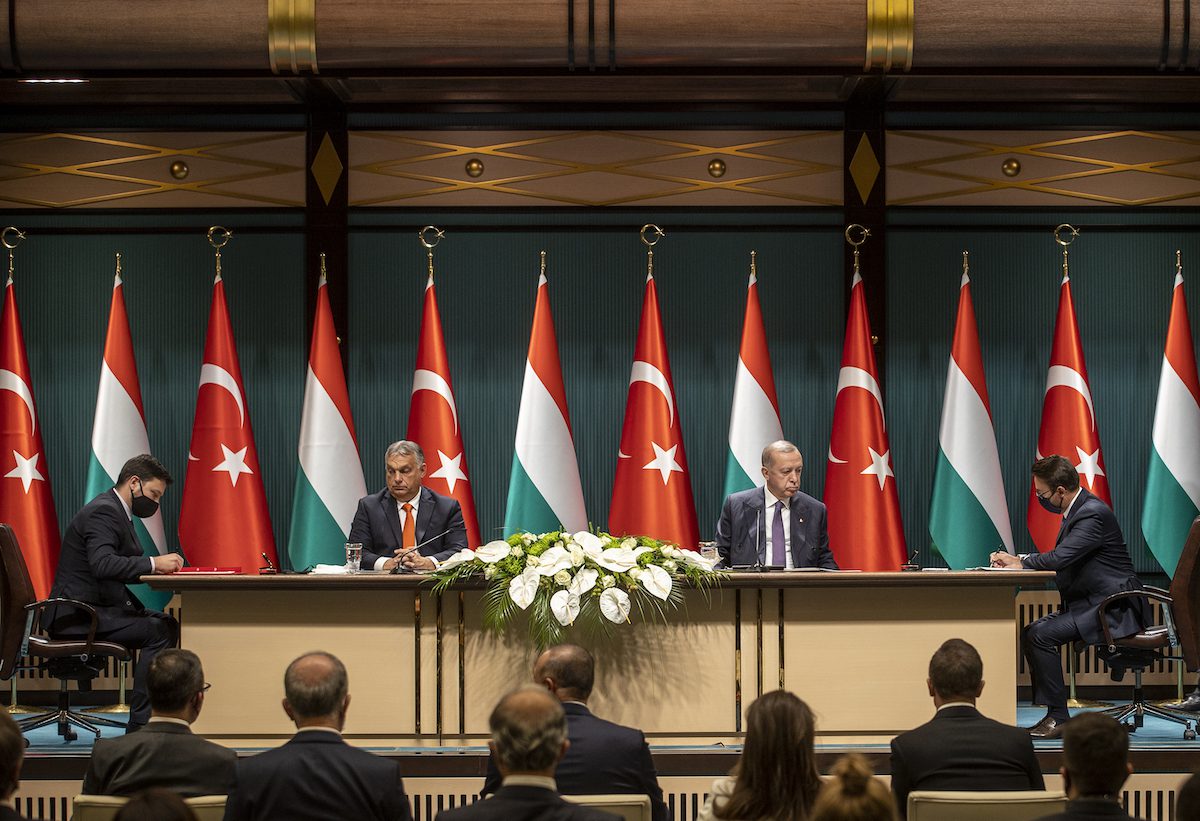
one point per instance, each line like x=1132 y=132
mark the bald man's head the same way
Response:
x=316 y=689
x=567 y=670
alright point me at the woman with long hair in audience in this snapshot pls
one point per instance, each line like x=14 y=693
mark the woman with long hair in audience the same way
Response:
x=853 y=793
x=776 y=777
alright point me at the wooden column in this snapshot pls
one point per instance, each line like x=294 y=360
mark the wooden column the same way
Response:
x=327 y=161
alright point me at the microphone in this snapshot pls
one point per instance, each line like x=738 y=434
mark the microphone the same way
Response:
x=911 y=564
x=397 y=570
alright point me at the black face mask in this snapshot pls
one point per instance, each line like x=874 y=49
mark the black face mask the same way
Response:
x=1047 y=504
x=143 y=506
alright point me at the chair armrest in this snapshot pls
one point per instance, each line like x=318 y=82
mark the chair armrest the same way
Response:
x=1149 y=594
x=38 y=606
x=1158 y=590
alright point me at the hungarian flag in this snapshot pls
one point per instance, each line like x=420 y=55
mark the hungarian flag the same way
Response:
x=1173 y=481
x=968 y=516
x=865 y=532
x=119 y=431
x=224 y=520
x=433 y=418
x=544 y=492
x=329 y=482
x=1068 y=420
x=26 y=502
x=652 y=492
x=754 y=421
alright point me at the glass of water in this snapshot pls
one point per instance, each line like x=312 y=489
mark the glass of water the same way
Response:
x=353 y=556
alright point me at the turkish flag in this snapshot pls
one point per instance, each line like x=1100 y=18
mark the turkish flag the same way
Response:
x=1068 y=420
x=224 y=520
x=433 y=421
x=865 y=531
x=652 y=492
x=26 y=502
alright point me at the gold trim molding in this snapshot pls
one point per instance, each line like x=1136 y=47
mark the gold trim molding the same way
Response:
x=292 y=36
x=889 y=34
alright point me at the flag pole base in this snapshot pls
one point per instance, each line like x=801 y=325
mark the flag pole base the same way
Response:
x=111 y=708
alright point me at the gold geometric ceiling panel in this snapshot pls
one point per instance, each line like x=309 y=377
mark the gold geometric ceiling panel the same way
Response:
x=1006 y=168
x=151 y=170
x=591 y=168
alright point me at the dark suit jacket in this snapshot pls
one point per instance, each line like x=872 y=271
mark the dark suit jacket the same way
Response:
x=524 y=804
x=603 y=758
x=164 y=755
x=1090 y=561
x=377 y=526
x=100 y=555
x=742 y=537
x=1086 y=809
x=316 y=776
x=961 y=749
x=9 y=814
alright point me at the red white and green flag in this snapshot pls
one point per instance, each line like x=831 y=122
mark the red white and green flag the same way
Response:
x=544 y=491
x=224 y=520
x=754 y=421
x=865 y=531
x=968 y=515
x=329 y=480
x=119 y=431
x=1068 y=420
x=433 y=421
x=26 y=502
x=1173 y=480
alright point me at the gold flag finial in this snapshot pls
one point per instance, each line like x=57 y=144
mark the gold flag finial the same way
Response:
x=650 y=235
x=862 y=232
x=430 y=236
x=1065 y=243
x=11 y=237
x=218 y=238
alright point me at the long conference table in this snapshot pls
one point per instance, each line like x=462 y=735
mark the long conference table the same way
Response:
x=425 y=673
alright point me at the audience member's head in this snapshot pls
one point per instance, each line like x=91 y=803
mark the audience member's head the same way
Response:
x=12 y=753
x=155 y=805
x=567 y=670
x=852 y=793
x=175 y=684
x=316 y=691
x=955 y=673
x=776 y=776
x=1187 y=800
x=1095 y=756
x=529 y=732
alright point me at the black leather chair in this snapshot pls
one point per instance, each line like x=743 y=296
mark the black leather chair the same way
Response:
x=1174 y=640
x=78 y=660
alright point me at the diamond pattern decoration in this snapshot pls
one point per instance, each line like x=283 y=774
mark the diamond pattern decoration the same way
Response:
x=327 y=168
x=864 y=168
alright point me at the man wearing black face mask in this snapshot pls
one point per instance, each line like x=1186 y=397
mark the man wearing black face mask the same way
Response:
x=1091 y=562
x=100 y=555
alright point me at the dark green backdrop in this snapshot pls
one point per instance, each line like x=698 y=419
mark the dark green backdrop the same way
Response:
x=486 y=281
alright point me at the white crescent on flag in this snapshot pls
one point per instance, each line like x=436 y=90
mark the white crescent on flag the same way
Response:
x=1060 y=376
x=216 y=375
x=850 y=377
x=9 y=381
x=645 y=372
x=424 y=380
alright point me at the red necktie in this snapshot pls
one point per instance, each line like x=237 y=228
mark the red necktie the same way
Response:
x=409 y=536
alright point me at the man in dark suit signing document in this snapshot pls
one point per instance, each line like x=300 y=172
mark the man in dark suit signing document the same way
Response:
x=777 y=525
x=405 y=523
x=1090 y=562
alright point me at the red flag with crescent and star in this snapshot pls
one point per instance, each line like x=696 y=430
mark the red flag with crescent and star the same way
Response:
x=433 y=421
x=865 y=531
x=1068 y=420
x=26 y=502
x=224 y=520
x=652 y=492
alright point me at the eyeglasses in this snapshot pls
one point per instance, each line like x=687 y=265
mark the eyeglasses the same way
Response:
x=1046 y=497
x=205 y=688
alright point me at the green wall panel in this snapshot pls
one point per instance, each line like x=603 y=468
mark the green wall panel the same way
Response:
x=1121 y=283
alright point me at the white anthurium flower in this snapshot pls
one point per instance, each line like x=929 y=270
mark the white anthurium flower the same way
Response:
x=637 y=551
x=614 y=604
x=696 y=560
x=565 y=606
x=562 y=578
x=656 y=581
x=617 y=559
x=587 y=540
x=584 y=581
x=461 y=557
x=523 y=589
x=493 y=552
x=552 y=561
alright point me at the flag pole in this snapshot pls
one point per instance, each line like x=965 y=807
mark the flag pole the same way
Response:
x=648 y=231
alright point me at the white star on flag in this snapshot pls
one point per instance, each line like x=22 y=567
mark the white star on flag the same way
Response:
x=1089 y=465
x=451 y=470
x=879 y=466
x=664 y=462
x=234 y=464
x=25 y=470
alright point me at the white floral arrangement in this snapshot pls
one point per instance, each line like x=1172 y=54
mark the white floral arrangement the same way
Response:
x=564 y=580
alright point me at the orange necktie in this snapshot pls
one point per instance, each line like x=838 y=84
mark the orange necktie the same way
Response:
x=409 y=536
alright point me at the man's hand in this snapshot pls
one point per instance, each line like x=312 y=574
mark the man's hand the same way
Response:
x=1003 y=558
x=415 y=561
x=167 y=563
